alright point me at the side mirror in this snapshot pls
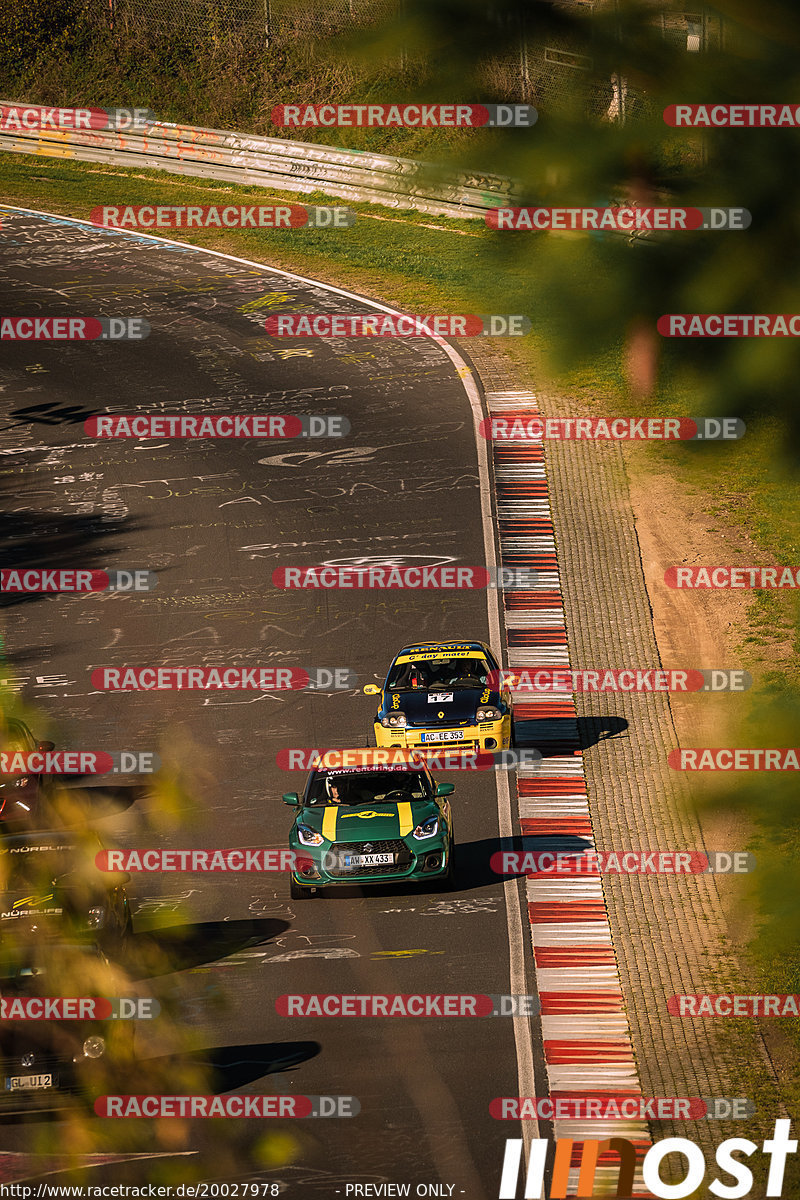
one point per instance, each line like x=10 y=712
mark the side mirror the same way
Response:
x=371 y=689
x=445 y=789
x=291 y=798
x=510 y=681
x=45 y=746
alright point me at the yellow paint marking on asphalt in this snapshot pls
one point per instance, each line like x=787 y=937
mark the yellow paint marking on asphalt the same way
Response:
x=402 y=953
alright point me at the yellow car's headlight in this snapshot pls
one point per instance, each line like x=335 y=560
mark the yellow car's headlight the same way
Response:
x=488 y=713
x=394 y=721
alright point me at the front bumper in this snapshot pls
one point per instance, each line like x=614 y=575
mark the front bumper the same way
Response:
x=422 y=864
x=71 y=1082
x=488 y=735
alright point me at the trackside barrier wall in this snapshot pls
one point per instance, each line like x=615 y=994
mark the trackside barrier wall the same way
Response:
x=274 y=163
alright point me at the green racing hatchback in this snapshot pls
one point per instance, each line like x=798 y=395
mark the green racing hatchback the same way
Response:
x=377 y=821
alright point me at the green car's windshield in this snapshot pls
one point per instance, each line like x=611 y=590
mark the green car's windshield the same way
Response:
x=367 y=787
x=449 y=674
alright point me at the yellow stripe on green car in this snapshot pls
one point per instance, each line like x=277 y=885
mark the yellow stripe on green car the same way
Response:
x=406 y=820
x=329 y=822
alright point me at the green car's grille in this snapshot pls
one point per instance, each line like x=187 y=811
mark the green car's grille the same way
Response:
x=397 y=847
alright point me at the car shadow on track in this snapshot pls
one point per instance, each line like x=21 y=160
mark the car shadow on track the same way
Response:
x=236 y=1066
x=558 y=736
x=94 y=800
x=566 y=845
x=168 y=949
x=473 y=870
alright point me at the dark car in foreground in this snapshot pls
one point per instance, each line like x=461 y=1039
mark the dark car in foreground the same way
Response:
x=25 y=796
x=49 y=1064
x=51 y=887
x=373 y=822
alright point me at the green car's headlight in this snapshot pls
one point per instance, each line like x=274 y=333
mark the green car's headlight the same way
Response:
x=394 y=721
x=308 y=836
x=488 y=713
x=426 y=829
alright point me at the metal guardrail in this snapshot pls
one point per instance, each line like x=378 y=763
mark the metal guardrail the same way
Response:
x=274 y=163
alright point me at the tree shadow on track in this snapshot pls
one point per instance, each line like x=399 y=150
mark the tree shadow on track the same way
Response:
x=56 y=541
x=593 y=730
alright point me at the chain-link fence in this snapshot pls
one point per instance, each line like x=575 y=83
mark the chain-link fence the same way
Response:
x=269 y=20
x=562 y=68
x=545 y=72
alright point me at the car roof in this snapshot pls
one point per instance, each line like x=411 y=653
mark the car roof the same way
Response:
x=12 y=725
x=423 y=647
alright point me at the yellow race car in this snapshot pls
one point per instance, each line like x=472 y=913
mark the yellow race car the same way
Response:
x=448 y=694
